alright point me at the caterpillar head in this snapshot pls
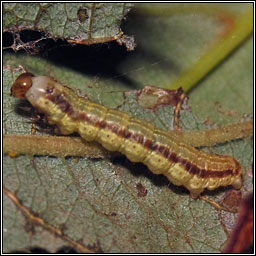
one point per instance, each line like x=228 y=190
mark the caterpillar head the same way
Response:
x=37 y=90
x=22 y=85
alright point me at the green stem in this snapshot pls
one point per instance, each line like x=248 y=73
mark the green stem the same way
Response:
x=243 y=28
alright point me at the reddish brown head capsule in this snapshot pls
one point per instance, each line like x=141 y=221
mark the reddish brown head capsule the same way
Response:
x=21 y=85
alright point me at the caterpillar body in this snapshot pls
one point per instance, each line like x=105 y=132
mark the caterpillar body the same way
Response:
x=138 y=140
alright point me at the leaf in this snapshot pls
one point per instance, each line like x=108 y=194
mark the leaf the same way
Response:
x=99 y=202
x=86 y=22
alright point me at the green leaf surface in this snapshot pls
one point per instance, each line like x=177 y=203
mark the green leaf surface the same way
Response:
x=77 y=21
x=97 y=202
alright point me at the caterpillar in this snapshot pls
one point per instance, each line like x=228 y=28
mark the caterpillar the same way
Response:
x=162 y=152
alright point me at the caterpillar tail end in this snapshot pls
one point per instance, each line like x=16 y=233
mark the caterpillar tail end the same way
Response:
x=237 y=184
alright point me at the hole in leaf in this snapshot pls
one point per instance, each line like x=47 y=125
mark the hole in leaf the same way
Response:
x=8 y=39
x=30 y=35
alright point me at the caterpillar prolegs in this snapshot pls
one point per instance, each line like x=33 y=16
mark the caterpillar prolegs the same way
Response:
x=162 y=152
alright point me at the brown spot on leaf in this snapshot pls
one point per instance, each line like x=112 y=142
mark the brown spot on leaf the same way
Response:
x=152 y=97
x=82 y=15
x=232 y=200
x=142 y=191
